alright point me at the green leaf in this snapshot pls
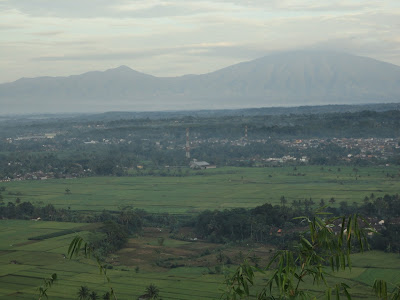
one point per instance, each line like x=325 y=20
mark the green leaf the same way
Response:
x=346 y=293
x=246 y=287
x=348 y=258
x=342 y=231
x=306 y=243
x=328 y=294
x=380 y=288
x=337 y=292
x=337 y=262
x=343 y=261
x=349 y=227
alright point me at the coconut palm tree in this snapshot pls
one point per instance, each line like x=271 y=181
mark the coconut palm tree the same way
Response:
x=93 y=296
x=152 y=291
x=283 y=200
x=83 y=293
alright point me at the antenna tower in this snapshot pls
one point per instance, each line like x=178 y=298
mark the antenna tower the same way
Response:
x=187 y=144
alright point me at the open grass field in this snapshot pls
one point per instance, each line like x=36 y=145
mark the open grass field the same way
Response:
x=24 y=264
x=216 y=189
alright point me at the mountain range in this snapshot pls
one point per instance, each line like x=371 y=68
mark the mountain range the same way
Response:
x=283 y=79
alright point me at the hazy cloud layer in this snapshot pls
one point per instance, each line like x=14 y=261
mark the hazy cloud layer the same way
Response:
x=175 y=37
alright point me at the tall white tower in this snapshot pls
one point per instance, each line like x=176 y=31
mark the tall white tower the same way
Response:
x=187 y=144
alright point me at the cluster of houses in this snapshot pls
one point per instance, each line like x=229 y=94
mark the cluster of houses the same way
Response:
x=29 y=176
x=40 y=175
x=368 y=148
x=375 y=225
x=32 y=137
x=286 y=158
x=359 y=148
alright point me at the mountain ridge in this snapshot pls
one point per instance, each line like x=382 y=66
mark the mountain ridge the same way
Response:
x=288 y=79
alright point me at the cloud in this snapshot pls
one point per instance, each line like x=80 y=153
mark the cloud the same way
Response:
x=335 y=6
x=386 y=49
x=11 y=27
x=48 y=33
x=308 y=6
x=174 y=37
x=48 y=8
x=158 y=9
x=171 y=8
x=190 y=49
x=112 y=9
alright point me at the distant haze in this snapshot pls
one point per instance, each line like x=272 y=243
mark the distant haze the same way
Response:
x=284 y=79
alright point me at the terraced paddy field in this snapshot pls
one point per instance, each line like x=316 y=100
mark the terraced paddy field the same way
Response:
x=211 y=189
x=25 y=262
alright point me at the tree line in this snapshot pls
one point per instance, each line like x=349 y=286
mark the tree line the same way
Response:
x=267 y=223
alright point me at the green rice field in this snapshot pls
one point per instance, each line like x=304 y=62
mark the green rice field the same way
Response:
x=24 y=263
x=214 y=189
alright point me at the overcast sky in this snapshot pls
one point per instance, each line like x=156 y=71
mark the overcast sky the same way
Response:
x=176 y=37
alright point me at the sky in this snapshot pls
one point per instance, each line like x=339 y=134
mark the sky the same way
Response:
x=177 y=37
